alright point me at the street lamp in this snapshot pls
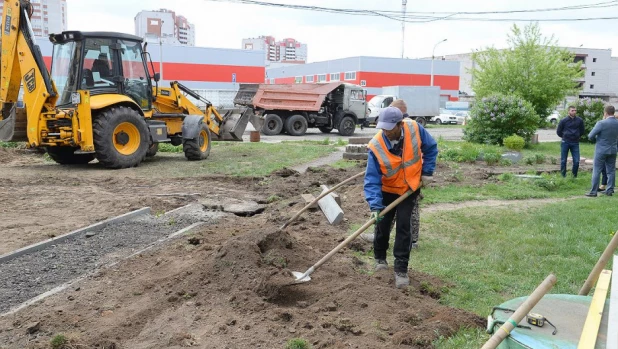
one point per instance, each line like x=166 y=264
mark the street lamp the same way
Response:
x=432 y=58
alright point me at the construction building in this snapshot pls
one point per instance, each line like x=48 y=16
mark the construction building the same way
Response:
x=48 y=17
x=373 y=73
x=599 y=81
x=164 y=26
x=285 y=52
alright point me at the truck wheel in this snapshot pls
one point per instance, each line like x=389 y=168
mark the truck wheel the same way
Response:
x=421 y=121
x=152 y=150
x=438 y=121
x=198 y=148
x=325 y=129
x=272 y=125
x=347 y=126
x=67 y=156
x=120 y=137
x=296 y=125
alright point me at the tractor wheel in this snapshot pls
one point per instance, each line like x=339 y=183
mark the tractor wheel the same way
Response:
x=120 y=137
x=296 y=125
x=198 y=148
x=272 y=125
x=67 y=156
x=347 y=126
x=152 y=150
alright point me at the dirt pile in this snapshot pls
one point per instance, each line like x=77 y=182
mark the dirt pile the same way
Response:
x=7 y=155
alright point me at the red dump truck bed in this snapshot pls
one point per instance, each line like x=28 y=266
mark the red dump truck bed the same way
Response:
x=305 y=97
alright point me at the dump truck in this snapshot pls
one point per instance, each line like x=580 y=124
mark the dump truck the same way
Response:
x=294 y=108
x=423 y=102
x=98 y=101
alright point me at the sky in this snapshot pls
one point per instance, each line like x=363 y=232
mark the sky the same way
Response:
x=331 y=36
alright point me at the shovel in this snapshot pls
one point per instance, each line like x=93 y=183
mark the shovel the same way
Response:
x=304 y=277
x=318 y=199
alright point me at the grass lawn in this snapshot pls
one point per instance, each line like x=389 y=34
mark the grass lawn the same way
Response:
x=511 y=188
x=240 y=158
x=549 y=149
x=491 y=255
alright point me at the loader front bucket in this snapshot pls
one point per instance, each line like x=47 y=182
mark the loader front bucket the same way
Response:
x=235 y=122
x=13 y=124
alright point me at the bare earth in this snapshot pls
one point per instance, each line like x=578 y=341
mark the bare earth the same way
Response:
x=232 y=289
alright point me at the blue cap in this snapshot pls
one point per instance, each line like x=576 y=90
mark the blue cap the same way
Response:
x=389 y=117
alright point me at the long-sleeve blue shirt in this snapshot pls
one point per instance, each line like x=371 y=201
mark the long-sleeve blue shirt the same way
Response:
x=373 y=175
x=571 y=129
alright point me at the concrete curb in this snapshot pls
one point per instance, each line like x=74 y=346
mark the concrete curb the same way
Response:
x=68 y=284
x=44 y=244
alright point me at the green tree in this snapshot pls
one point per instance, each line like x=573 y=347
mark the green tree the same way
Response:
x=533 y=68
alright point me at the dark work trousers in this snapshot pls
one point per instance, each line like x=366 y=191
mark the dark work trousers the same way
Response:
x=403 y=231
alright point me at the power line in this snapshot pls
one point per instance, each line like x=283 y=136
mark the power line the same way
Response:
x=425 y=17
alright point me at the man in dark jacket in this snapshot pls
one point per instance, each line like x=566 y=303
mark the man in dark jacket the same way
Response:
x=570 y=129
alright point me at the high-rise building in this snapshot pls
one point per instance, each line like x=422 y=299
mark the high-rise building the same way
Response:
x=285 y=51
x=48 y=17
x=164 y=26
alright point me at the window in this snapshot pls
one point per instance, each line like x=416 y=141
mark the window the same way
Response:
x=98 y=70
x=593 y=74
x=358 y=95
x=298 y=80
x=594 y=60
x=309 y=78
x=350 y=75
x=335 y=76
x=136 y=82
x=592 y=86
x=272 y=81
x=322 y=78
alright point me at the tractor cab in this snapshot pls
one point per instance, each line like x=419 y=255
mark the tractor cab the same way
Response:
x=102 y=63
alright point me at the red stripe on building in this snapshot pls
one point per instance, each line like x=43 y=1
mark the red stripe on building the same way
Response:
x=446 y=82
x=214 y=73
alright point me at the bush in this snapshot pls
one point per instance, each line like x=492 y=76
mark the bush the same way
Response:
x=492 y=157
x=497 y=117
x=590 y=110
x=529 y=160
x=539 y=158
x=514 y=142
x=506 y=177
x=506 y=162
x=465 y=153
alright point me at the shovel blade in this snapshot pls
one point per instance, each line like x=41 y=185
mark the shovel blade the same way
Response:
x=300 y=277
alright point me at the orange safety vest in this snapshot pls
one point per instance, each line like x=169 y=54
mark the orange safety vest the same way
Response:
x=400 y=173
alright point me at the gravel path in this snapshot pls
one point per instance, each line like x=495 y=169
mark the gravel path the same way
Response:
x=327 y=160
x=32 y=274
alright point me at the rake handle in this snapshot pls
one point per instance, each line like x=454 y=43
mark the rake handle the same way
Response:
x=357 y=233
x=318 y=199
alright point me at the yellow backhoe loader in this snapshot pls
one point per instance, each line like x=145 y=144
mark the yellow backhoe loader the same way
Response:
x=99 y=100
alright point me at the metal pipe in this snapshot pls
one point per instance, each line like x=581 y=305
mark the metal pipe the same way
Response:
x=433 y=57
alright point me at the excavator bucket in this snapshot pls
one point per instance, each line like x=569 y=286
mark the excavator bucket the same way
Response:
x=235 y=122
x=13 y=124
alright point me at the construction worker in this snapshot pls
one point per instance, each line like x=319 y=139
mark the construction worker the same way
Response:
x=415 y=217
x=401 y=156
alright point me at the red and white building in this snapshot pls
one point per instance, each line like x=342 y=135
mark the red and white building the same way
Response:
x=373 y=73
x=286 y=51
x=48 y=16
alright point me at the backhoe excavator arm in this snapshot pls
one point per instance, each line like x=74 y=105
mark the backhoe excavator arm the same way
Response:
x=22 y=61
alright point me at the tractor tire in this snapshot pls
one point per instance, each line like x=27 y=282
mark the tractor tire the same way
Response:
x=273 y=125
x=152 y=150
x=198 y=148
x=67 y=156
x=325 y=129
x=121 y=137
x=296 y=125
x=347 y=126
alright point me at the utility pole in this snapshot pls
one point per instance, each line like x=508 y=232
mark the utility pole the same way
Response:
x=403 y=25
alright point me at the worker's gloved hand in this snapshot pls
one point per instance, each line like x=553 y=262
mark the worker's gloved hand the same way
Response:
x=376 y=215
x=427 y=180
